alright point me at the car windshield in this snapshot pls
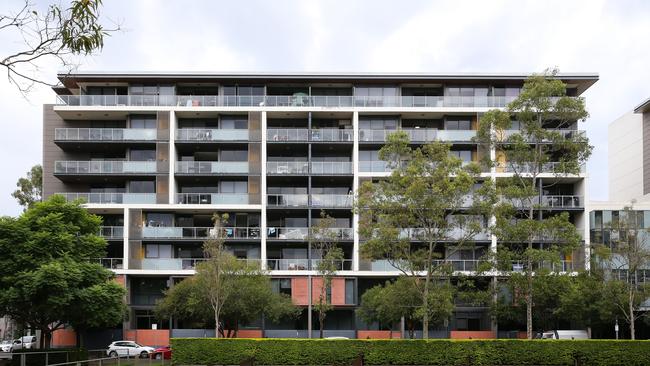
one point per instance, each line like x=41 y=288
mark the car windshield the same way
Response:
x=137 y=345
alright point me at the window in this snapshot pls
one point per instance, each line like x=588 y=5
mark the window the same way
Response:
x=142 y=155
x=232 y=123
x=233 y=155
x=144 y=186
x=281 y=285
x=349 y=291
x=158 y=251
x=143 y=122
x=233 y=187
x=159 y=219
x=464 y=155
x=381 y=123
x=458 y=124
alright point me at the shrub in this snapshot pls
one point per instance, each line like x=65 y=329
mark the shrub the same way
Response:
x=211 y=351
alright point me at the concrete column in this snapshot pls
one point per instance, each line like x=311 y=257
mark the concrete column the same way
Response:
x=173 y=125
x=125 y=239
x=263 y=191
x=355 y=188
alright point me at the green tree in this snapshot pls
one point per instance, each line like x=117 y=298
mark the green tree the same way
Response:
x=57 y=33
x=410 y=218
x=225 y=292
x=324 y=239
x=539 y=143
x=30 y=188
x=46 y=278
x=388 y=304
x=625 y=261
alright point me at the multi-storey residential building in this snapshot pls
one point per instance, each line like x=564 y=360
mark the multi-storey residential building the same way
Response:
x=157 y=154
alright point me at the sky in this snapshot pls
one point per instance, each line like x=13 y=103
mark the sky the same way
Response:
x=607 y=37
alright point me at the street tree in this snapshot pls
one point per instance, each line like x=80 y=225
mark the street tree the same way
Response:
x=535 y=135
x=324 y=239
x=30 y=188
x=57 y=33
x=625 y=261
x=388 y=304
x=47 y=278
x=423 y=213
x=225 y=291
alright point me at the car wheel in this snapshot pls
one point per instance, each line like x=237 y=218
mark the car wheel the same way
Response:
x=112 y=354
x=158 y=356
x=144 y=354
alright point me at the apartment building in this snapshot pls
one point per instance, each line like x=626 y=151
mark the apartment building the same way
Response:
x=157 y=154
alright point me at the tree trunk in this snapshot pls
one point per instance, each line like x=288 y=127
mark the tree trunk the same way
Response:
x=321 y=321
x=216 y=324
x=46 y=335
x=425 y=295
x=529 y=273
x=631 y=310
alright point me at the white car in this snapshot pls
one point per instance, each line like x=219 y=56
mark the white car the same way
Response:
x=128 y=349
x=5 y=346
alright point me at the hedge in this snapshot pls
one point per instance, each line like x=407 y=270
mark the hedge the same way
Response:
x=511 y=352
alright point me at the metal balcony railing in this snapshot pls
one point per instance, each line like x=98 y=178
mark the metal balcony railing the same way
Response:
x=105 y=167
x=330 y=167
x=302 y=233
x=331 y=135
x=551 y=201
x=314 y=200
x=110 y=263
x=200 y=233
x=105 y=134
x=213 y=198
x=551 y=167
x=111 y=232
x=214 y=134
x=285 y=101
x=287 y=200
x=304 y=264
x=287 y=134
x=332 y=200
x=180 y=263
x=374 y=166
x=212 y=167
x=287 y=167
x=460 y=265
x=560 y=266
x=107 y=198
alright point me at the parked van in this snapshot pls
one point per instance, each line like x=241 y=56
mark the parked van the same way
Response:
x=26 y=342
x=563 y=334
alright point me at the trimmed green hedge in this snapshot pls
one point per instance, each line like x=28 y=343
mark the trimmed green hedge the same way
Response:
x=512 y=352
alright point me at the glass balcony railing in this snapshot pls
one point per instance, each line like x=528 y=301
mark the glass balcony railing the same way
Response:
x=105 y=134
x=287 y=200
x=179 y=264
x=213 y=198
x=285 y=101
x=419 y=135
x=109 y=197
x=559 y=266
x=110 y=263
x=112 y=232
x=331 y=135
x=200 y=233
x=302 y=233
x=212 y=167
x=287 y=134
x=206 y=134
x=550 y=201
x=332 y=200
x=330 y=167
x=374 y=166
x=460 y=265
x=105 y=167
x=552 y=167
x=304 y=264
x=566 y=133
x=287 y=167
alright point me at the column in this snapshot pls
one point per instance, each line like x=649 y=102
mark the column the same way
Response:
x=263 y=200
x=355 y=187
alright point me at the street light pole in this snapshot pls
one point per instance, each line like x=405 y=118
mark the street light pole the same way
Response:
x=616 y=328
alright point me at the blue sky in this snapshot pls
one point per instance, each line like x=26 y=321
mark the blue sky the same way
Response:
x=607 y=37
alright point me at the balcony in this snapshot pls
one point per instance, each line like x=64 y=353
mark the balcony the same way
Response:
x=331 y=135
x=110 y=263
x=458 y=265
x=214 y=198
x=302 y=233
x=374 y=166
x=284 y=101
x=314 y=200
x=552 y=167
x=287 y=135
x=419 y=135
x=176 y=264
x=287 y=167
x=210 y=135
x=330 y=167
x=200 y=233
x=111 y=232
x=212 y=167
x=565 y=133
x=551 y=202
x=104 y=134
x=108 y=198
x=109 y=167
x=560 y=266
x=304 y=264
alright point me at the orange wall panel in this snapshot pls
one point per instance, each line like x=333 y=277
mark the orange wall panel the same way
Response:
x=64 y=338
x=299 y=291
x=249 y=333
x=472 y=334
x=130 y=335
x=151 y=337
x=316 y=286
x=338 y=291
x=377 y=334
x=121 y=280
